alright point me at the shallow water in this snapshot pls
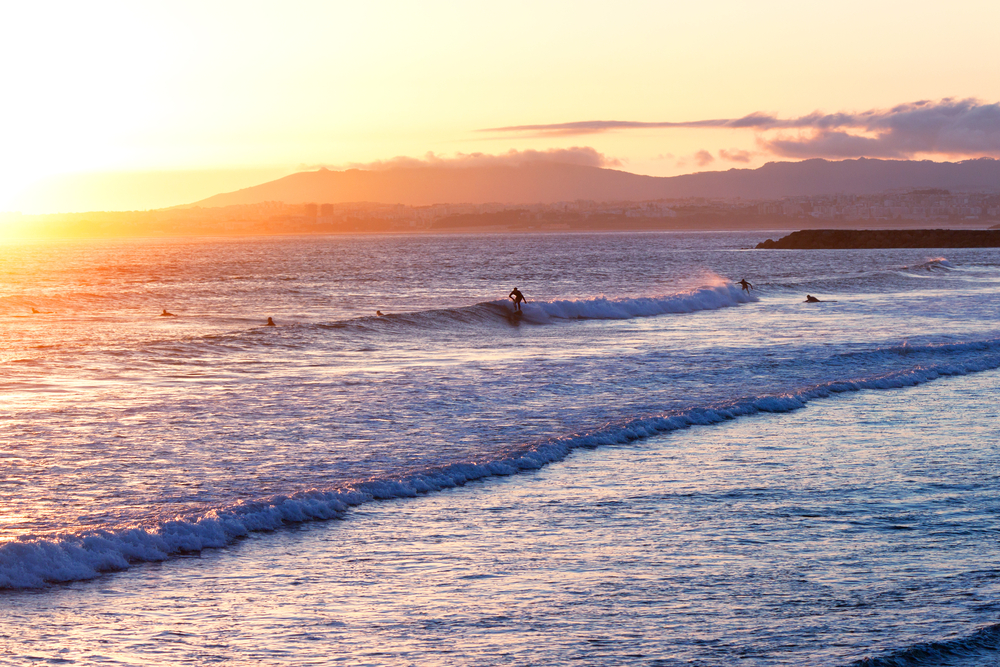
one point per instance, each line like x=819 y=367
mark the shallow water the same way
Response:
x=845 y=447
x=763 y=541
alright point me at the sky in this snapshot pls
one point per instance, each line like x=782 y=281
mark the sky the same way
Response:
x=125 y=105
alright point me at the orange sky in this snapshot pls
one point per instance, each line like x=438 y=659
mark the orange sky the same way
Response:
x=121 y=105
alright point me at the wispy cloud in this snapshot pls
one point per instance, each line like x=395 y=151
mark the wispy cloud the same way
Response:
x=578 y=155
x=950 y=126
x=597 y=126
x=735 y=155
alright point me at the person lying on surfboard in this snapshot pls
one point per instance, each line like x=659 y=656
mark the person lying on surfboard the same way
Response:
x=518 y=298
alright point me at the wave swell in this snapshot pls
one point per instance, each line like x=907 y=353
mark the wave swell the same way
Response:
x=981 y=647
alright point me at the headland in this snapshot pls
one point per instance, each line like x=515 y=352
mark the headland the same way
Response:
x=844 y=239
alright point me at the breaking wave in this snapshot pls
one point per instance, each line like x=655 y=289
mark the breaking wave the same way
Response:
x=710 y=297
x=33 y=562
x=934 y=264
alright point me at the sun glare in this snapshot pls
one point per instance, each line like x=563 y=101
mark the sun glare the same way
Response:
x=112 y=87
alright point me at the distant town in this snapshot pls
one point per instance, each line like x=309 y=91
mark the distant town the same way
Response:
x=911 y=208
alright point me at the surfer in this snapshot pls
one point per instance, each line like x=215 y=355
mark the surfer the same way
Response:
x=811 y=299
x=746 y=286
x=379 y=313
x=270 y=323
x=516 y=295
x=166 y=314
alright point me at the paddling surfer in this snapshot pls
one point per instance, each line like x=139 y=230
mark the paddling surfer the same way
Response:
x=516 y=295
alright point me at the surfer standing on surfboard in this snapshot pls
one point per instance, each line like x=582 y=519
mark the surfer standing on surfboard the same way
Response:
x=746 y=286
x=518 y=298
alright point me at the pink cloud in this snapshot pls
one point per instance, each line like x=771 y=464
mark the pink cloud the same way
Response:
x=703 y=158
x=735 y=155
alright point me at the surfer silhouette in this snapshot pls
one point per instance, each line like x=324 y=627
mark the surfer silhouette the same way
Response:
x=811 y=299
x=166 y=314
x=746 y=286
x=270 y=323
x=379 y=313
x=516 y=295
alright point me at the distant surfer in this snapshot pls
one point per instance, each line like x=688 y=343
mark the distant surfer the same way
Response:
x=166 y=314
x=379 y=313
x=746 y=286
x=270 y=323
x=516 y=295
x=811 y=299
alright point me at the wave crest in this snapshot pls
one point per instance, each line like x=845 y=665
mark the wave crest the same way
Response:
x=602 y=308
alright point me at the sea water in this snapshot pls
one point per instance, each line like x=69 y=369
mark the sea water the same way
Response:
x=648 y=466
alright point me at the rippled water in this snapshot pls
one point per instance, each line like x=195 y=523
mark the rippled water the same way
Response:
x=835 y=503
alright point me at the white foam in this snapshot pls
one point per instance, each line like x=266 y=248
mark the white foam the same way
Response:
x=36 y=562
x=701 y=298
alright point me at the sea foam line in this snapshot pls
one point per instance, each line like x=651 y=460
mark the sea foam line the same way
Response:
x=36 y=562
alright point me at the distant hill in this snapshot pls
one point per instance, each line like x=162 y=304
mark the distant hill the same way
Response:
x=545 y=182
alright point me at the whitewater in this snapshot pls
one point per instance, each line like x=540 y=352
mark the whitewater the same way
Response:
x=218 y=448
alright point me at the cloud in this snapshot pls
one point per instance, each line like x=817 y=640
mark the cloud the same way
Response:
x=703 y=158
x=735 y=155
x=949 y=126
x=833 y=144
x=578 y=155
x=596 y=126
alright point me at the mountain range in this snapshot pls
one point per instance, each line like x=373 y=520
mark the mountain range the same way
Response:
x=547 y=182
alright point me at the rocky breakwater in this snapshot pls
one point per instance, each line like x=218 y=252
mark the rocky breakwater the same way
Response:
x=843 y=239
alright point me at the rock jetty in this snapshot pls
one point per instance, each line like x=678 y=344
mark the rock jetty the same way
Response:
x=844 y=239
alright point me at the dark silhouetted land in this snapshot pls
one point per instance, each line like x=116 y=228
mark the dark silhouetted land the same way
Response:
x=844 y=239
x=872 y=194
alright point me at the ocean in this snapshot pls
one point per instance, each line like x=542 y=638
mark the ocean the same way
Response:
x=649 y=466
